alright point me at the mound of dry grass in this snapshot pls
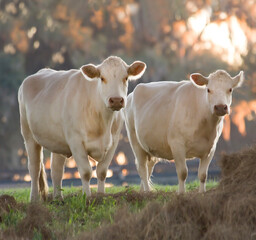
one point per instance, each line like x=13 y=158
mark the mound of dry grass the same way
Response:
x=7 y=202
x=128 y=196
x=37 y=220
x=226 y=212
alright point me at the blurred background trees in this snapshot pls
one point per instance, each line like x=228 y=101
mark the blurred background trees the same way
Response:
x=174 y=38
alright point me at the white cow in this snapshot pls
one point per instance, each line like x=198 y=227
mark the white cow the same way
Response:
x=178 y=120
x=74 y=112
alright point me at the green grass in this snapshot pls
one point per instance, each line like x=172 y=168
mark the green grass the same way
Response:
x=77 y=214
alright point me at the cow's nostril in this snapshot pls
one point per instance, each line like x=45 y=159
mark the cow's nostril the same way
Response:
x=111 y=101
x=225 y=107
x=122 y=101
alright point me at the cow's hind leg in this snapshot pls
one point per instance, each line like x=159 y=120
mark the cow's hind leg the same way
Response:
x=150 y=165
x=57 y=170
x=203 y=171
x=141 y=161
x=34 y=151
x=35 y=162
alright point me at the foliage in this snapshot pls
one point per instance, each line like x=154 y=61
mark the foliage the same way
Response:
x=11 y=71
x=61 y=34
x=171 y=36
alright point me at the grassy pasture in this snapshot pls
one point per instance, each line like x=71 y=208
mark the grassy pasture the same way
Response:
x=226 y=211
x=76 y=214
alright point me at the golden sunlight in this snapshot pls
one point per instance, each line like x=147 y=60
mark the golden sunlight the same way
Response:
x=224 y=37
x=125 y=172
x=48 y=163
x=16 y=177
x=70 y=163
x=27 y=178
x=241 y=112
x=121 y=159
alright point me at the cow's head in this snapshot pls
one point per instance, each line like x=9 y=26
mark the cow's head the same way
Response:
x=113 y=75
x=219 y=87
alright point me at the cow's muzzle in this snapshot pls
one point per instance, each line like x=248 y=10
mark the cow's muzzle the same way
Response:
x=116 y=103
x=221 y=109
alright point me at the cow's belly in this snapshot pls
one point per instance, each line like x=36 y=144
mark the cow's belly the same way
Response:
x=49 y=136
x=54 y=145
x=156 y=147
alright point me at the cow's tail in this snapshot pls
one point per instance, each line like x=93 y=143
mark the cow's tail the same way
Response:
x=151 y=164
x=43 y=185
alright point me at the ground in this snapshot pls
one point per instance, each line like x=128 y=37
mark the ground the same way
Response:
x=226 y=211
x=76 y=214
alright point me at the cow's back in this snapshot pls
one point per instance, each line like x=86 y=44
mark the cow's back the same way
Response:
x=46 y=85
x=44 y=98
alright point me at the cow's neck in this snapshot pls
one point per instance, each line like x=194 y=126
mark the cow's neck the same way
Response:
x=214 y=120
x=107 y=114
x=214 y=125
x=209 y=125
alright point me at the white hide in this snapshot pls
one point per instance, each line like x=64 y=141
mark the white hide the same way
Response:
x=178 y=120
x=69 y=113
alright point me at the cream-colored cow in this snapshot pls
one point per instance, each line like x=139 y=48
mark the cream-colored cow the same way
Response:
x=178 y=120
x=76 y=113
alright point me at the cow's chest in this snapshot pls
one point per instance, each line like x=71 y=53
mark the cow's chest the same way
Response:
x=98 y=134
x=98 y=147
x=204 y=138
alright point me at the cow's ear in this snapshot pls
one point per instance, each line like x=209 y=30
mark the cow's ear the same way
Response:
x=136 y=70
x=238 y=80
x=90 y=72
x=199 y=80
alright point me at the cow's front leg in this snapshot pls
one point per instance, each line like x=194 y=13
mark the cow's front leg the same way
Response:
x=101 y=171
x=102 y=166
x=84 y=168
x=203 y=170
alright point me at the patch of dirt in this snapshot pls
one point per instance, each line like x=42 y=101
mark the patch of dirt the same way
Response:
x=226 y=212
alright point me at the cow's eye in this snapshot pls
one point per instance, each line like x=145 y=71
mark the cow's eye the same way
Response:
x=125 y=79
x=103 y=79
x=230 y=90
x=208 y=90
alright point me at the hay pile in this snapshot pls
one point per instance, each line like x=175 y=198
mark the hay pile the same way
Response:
x=37 y=219
x=7 y=204
x=226 y=212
